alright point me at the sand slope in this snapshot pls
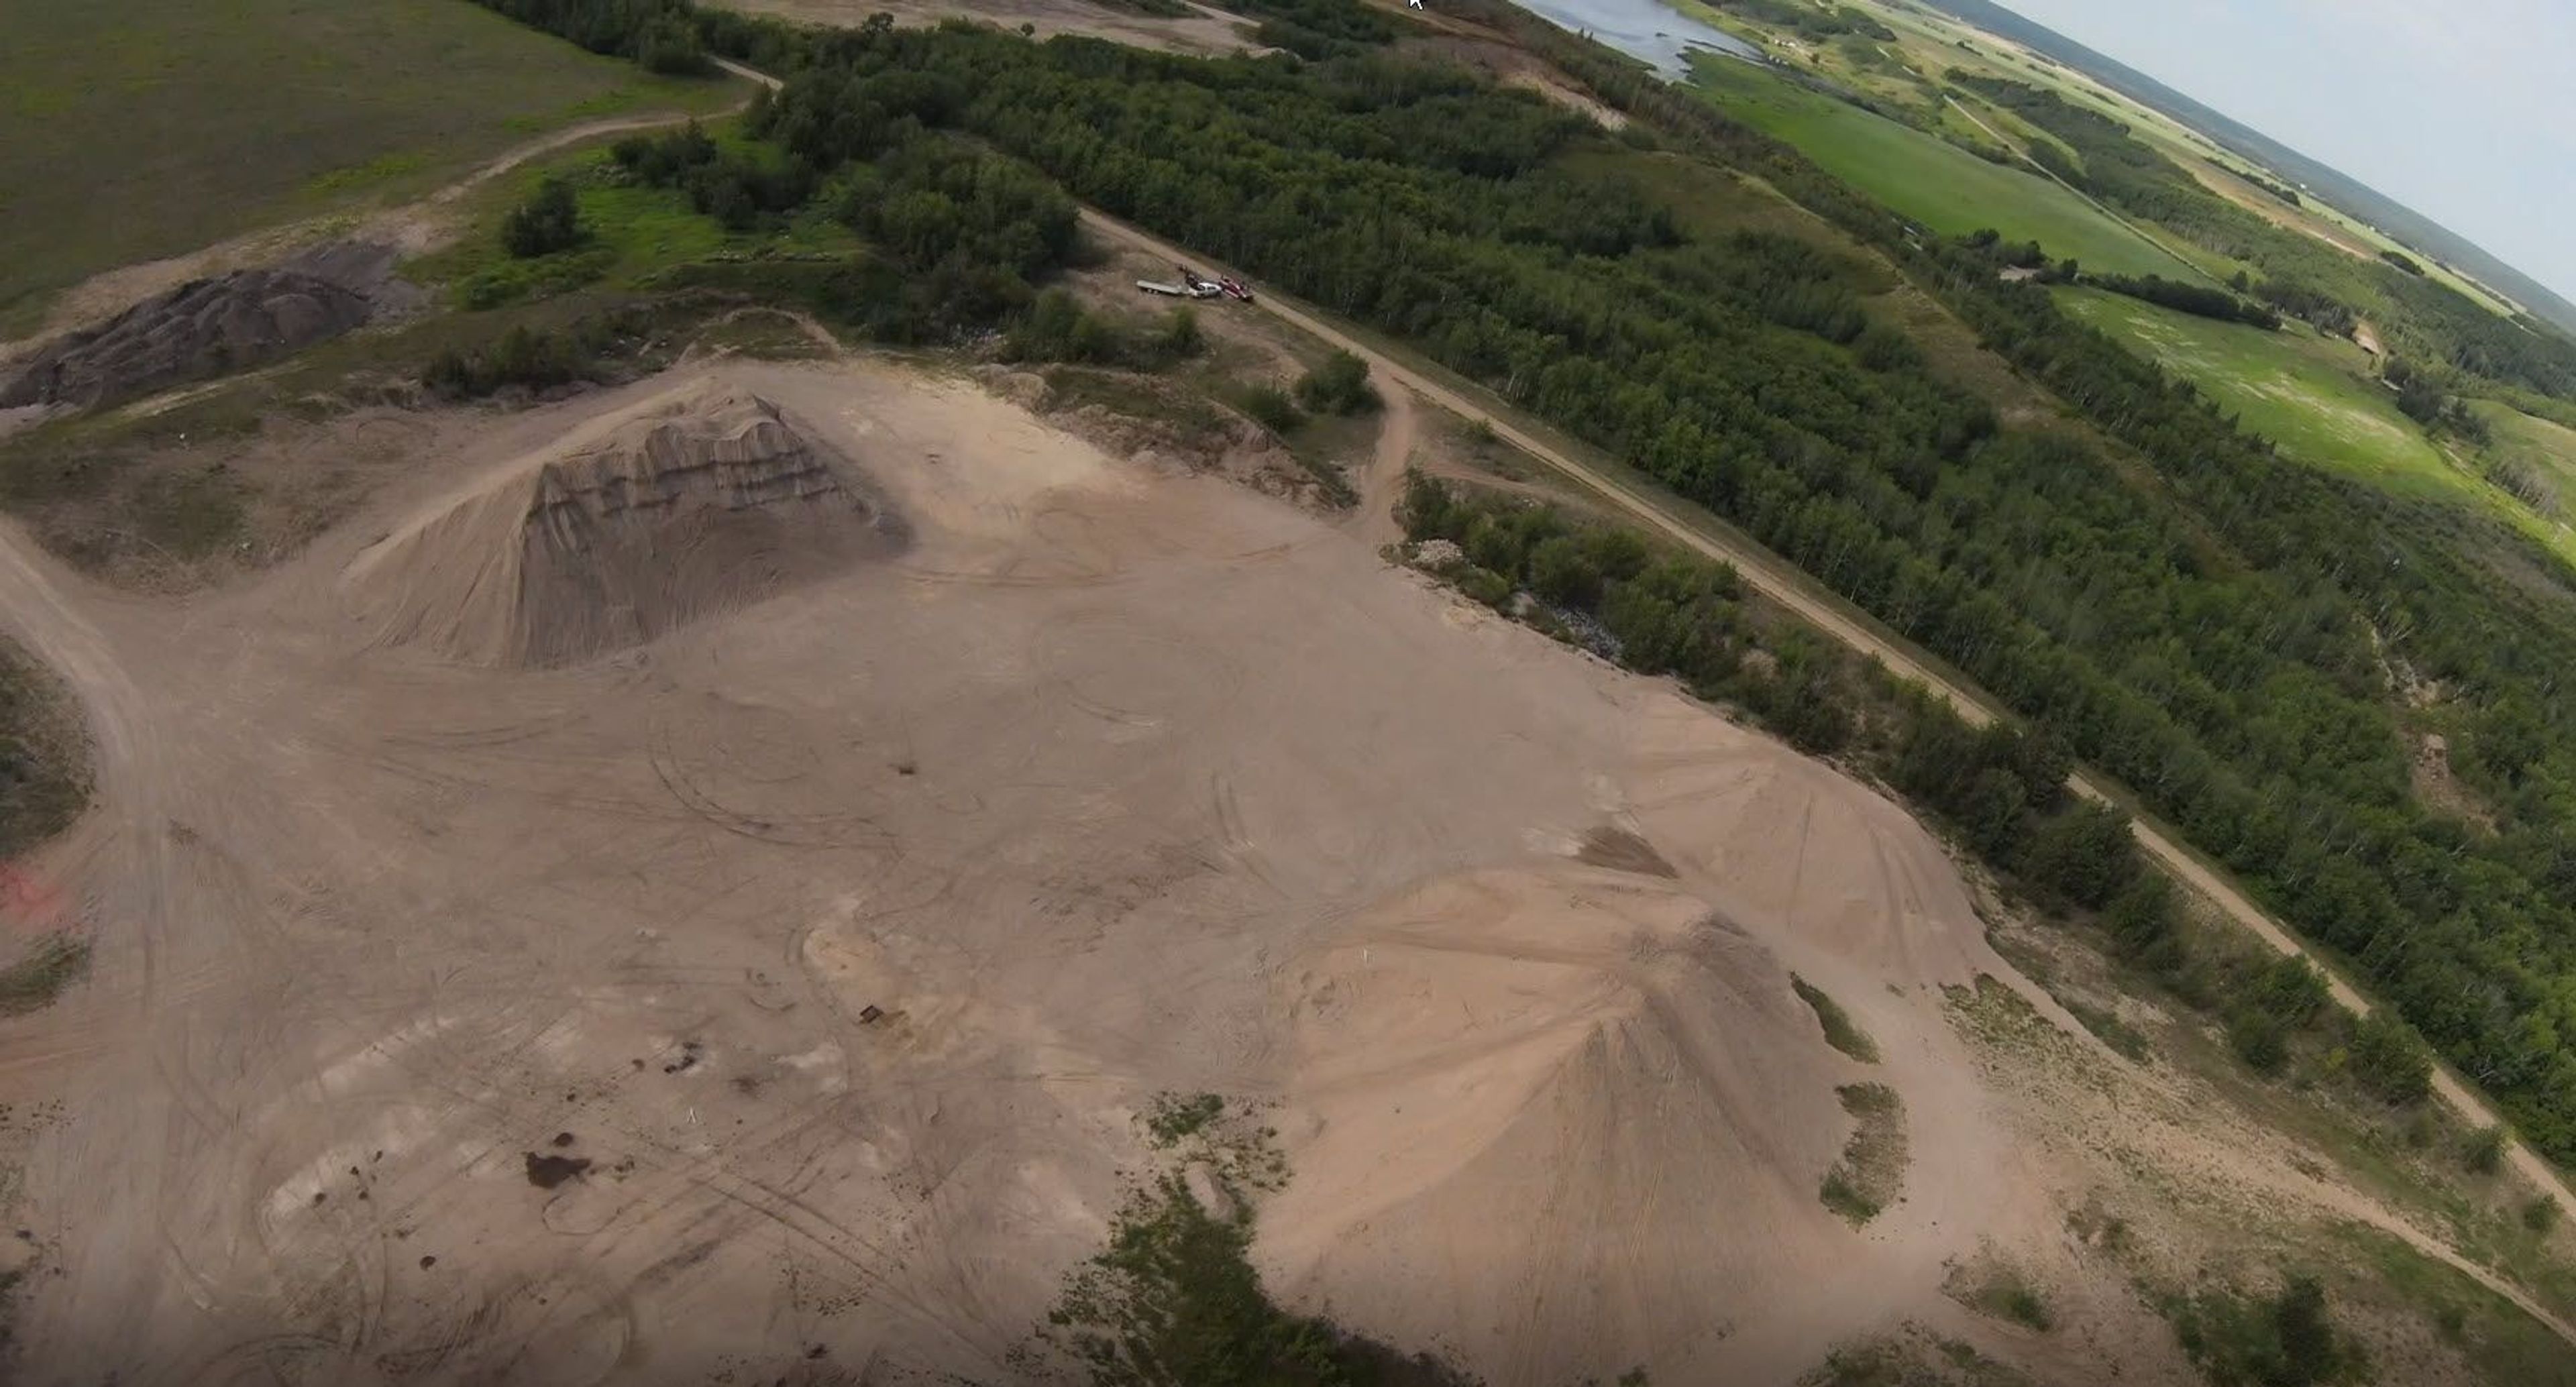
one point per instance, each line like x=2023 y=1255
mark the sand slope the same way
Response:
x=690 y=503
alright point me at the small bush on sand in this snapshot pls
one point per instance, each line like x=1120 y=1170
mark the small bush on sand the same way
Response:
x=1840 y=1030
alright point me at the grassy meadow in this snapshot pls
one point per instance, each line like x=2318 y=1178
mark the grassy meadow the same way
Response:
x=136 y=129
x=632 y=232
x=2312 y=395
x=1927 y=179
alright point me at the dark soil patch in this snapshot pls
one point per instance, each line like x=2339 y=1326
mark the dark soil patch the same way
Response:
x=1621 y=850
x=546 y=1172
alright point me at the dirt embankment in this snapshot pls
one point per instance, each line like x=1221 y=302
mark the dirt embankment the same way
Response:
x=209 y=327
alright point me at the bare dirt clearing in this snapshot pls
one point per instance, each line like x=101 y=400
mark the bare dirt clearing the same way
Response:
x=844 y=935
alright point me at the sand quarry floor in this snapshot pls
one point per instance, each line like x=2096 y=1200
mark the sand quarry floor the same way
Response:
x=473 y=835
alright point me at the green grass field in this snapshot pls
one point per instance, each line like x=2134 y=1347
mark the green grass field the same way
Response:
x=2525 y=447
x=1936 y=183
x=136 y=129
x=2311 y=395
x=2302 y=391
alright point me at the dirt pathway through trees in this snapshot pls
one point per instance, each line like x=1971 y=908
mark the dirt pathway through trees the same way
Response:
x=1777 y=580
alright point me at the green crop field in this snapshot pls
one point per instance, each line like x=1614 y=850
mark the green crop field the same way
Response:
x=1936 y=183
x=2312 y=396
x=136 y=129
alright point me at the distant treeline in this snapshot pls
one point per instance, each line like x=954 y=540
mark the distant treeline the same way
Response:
x=2280 y=192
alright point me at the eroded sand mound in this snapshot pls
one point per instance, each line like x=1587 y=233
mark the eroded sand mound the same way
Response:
x=694 y=502
x=1587 y=1080
x=204 y=328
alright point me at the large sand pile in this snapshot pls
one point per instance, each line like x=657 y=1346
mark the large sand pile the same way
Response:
x=1593 y=1092
x=698 y=501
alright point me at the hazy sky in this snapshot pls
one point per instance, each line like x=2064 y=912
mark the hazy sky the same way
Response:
x=2461 y=110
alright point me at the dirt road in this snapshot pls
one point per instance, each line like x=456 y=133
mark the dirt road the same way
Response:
x=1774 y=578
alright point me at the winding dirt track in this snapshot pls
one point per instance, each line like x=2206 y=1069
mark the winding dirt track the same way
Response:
x=1777 y=580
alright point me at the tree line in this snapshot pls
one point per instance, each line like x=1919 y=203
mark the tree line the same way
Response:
x=2199 y=300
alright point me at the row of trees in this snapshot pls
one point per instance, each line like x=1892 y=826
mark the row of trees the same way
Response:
x=2196 y=299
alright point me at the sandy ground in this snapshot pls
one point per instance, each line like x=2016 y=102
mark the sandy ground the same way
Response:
x=1110 y=783
x=1209 y=31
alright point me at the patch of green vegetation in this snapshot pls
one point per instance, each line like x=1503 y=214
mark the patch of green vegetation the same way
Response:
x=2288 y=1339
x=55 y=963
x=1339 y=385
x=2310 y=394
x=1194 y=421
x=1174 y=1301
x=1925 y=178
x=152 y=127
x=1911 y=1360
x=1841 y=1032
x=2313 y=396
x=188 y=514
x=2532 y=458
x=1992 y=1286
x=1173 y=1117
x=384 y=168
x=2127 y=1040
x=44 y=759
x=2503 y=1344
x=631 y=233
x=1872 y=1168
x=1267 y=405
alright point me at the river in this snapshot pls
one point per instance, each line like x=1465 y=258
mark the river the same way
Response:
x=1646 y=29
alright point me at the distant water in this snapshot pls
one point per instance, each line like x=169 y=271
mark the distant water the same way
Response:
x=1647 y=29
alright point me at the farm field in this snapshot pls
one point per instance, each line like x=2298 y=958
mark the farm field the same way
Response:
x=2302 y=392
x=146 y=128
x=1940 y=185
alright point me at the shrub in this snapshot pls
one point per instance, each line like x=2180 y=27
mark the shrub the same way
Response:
x=1270 y=407
x=2389 y=1061
x=1181 y=337
x=547 y=222
x=2541 y=1214
x=2288 y=1341
x=2259 y=1038
x=1339 y=386
x=2484 y=1153
x=1841 y=1032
